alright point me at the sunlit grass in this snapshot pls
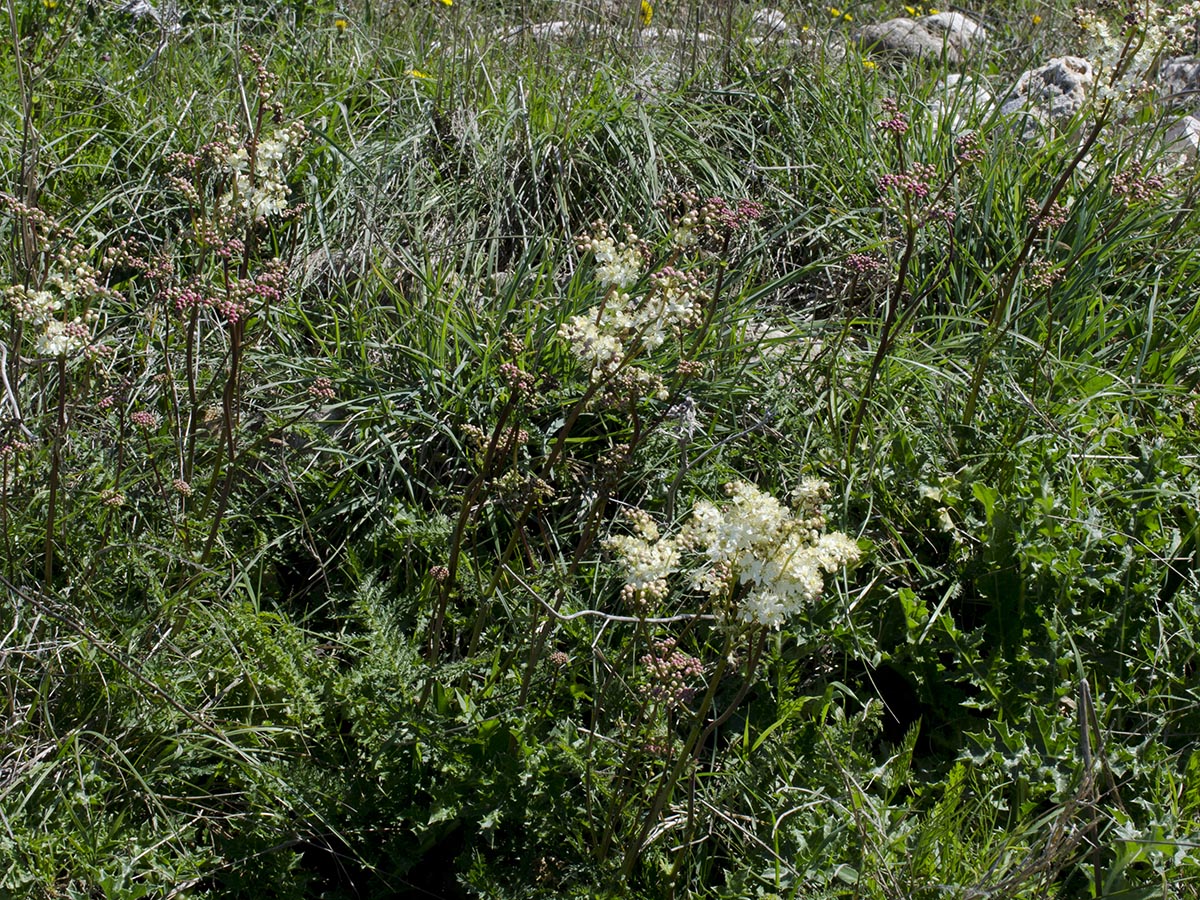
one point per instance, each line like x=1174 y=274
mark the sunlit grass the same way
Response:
x=376 y=585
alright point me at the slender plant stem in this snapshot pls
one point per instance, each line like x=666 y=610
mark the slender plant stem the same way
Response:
x=189 y=460
x=752 y=662
x=60 y=428
x=229 y=424
x=666 y=788
x=460 y=527
x=885 y=337
x=997 y=324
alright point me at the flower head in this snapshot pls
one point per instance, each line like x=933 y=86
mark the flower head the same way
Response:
x=62 y=338
x=259 y=183
x=648 y=560
x=112 y=497
x=667 y=671
x=777 y=557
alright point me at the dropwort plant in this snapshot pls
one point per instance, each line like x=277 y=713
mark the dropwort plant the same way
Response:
x=918 y=199
x=1125 y=58
x=635 y=347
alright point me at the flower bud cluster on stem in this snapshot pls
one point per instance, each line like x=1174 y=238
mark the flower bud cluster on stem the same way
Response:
x=758 y=560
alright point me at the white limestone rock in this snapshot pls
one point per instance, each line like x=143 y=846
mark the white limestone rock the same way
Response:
x=1051 y=94
x=656 y=35
x=959 y=31
x=1179 y=82
x=769 y=23
x=1182 y=143
x=947 y=35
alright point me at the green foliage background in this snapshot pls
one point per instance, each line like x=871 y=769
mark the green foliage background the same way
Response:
x=259 y=688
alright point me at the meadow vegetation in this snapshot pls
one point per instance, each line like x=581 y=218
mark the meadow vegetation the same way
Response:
x=438 y=460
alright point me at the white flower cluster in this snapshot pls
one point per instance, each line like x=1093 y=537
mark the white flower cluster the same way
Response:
x=648 y=559
x=1126 y=60
x=607 y=337
x=261 y=189
x=778 y=557
x=684 y=236
x=618 y=263
x=771 y=559
x=63 y=338
x=596 y=339
x=30 y=306
x=40 y=309
x=674 y=304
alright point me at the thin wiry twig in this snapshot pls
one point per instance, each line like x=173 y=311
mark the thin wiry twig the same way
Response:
x=608 y=617
x=10 y=396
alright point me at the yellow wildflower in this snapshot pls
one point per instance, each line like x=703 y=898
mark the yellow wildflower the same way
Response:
x=416 y=73
x=1037 y=20
x=868 y=64
x=933 y=12
x=846 y=17
x=341 y=25
x=835 y=12
x=446 y=2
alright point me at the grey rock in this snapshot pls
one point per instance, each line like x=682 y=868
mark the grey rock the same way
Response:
x=1179 y=81
x=907 y=39
x=168 y=17
x=959 y=31
x=1183 y=140
x=1050 y=94
x=828 y=48
x=768 y=22
x=947 y=35
x=655 y=35
x=957 y=99
x=139 y=9
x=559 y=30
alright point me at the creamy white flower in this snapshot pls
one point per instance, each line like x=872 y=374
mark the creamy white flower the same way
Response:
x=621 y=270
x=262 y=192
x=60 y=339
x=631 y=322
x=239 y=160
x=645 y=562
x=765 y=608
x=267 y=199
x=774 y=561
x=34 y=307
x=835 y=549
x=684 y=237
x=269 y=154
x=1125 y=61
x=776 y=558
